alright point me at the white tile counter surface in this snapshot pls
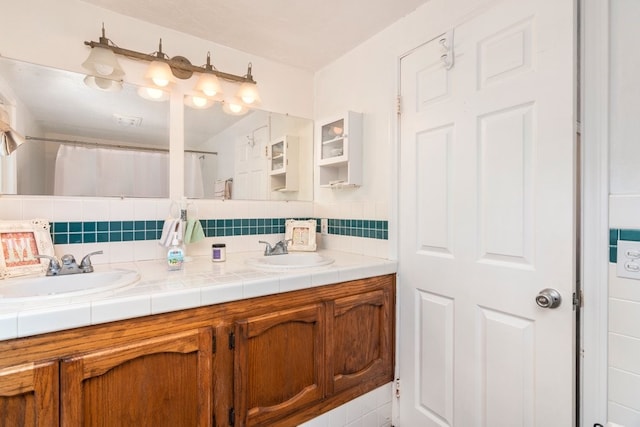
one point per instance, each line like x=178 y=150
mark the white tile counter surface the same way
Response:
x=201 y=283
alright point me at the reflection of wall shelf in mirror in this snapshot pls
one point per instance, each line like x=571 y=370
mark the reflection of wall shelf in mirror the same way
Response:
x=283 y=164
x=339 y=151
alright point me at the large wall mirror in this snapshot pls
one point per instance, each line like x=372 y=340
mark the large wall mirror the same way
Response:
x=85 y=142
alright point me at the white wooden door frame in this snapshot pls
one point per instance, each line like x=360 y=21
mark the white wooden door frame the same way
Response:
x=595 y=208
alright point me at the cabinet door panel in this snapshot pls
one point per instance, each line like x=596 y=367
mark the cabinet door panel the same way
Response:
x=360 y=339
x=157 y=382
x=278 y=364
x=29 y=395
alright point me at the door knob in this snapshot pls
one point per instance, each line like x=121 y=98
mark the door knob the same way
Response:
x=549 y=298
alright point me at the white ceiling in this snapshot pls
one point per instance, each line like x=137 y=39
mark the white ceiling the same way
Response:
x=303 y=33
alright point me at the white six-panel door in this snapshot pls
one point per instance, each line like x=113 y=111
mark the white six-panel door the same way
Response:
x=487 y=221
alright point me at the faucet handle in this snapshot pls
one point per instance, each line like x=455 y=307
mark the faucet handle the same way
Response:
x=54 y=265
x=267 y=249
x=85 y=264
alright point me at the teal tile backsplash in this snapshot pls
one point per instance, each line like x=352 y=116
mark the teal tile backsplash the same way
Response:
x=616 y=234
x=63 y=233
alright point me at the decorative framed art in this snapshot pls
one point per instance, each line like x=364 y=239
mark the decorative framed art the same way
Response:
x=301 y=234
x=21 y=241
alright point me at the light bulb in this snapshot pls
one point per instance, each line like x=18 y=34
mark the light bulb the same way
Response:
x=154 y=93
x=103 y=62
x=235 y=108
x=159 y=81
x=248 y=92
x=199 y=101
x=103 y=69
x=209 y=85
x=159 y=73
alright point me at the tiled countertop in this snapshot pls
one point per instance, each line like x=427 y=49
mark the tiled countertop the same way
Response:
x=200 y=283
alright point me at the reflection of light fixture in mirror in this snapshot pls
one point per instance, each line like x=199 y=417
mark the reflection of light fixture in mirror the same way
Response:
x=10 y=140
x=199 y=102
x=163 y=69
x=234 y=106
x=153 y=94
x=100 y=83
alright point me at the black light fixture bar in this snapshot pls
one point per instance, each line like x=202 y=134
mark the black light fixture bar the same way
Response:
x=177 y=63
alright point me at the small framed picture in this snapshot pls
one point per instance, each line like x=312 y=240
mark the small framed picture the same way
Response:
x=21 y=241
x=301 y=235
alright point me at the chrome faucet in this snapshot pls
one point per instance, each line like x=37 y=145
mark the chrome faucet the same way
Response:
x=68 y=264
x=279 y=248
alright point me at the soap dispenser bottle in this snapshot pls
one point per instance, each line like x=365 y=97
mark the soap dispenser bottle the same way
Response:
x=175 y=254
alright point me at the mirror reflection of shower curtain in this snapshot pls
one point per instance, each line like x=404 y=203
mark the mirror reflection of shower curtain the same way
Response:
x=193 y=182
x=86 y=171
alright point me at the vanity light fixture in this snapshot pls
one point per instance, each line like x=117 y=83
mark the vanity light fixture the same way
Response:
x=208 y=83
x=197 y=101
x=234 y=106
x=163 y=70
x=103 y=84
x=10 y=140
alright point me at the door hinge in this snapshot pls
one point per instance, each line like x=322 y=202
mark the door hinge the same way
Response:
x=577 y=300
x=232 y=341
x=397 y=387
x=399 y=105
x=232 y=416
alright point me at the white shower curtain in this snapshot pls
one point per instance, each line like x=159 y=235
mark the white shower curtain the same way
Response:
x=86 y=171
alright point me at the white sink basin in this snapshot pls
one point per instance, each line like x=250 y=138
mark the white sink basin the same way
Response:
x=290 y=261
x=48 y=287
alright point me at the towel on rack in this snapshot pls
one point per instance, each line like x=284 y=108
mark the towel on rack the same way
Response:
x=222 y=189
x=193 y=232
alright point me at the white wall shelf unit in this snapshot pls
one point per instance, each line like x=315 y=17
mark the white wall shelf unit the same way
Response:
x=339 y=151
x=283 y=164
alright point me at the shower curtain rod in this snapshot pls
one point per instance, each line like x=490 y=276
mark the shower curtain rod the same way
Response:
x=102 y=145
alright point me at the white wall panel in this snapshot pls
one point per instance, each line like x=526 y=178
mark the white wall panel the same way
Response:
x=624 y=388
x=624 y=353
x=624 y=318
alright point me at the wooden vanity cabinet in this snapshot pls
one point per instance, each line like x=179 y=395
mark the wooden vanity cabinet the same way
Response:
x=163 y=381
x=274 y=360
x=29 y=395
x=278 y=364
x=360 y=340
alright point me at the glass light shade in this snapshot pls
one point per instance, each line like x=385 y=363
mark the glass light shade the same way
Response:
x=153 y=94
x=103 y=62
x=160 y=74
x=199 y=102
x=106 y=85
x=248 y=93
x=234 y=106
x=209 y=84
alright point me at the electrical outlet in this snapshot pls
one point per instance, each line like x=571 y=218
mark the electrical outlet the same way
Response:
x=324 y=226
x=628 y=262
